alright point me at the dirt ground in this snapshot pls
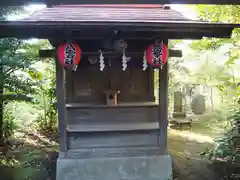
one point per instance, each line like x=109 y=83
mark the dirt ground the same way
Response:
x=34 y=158
x=187 y=162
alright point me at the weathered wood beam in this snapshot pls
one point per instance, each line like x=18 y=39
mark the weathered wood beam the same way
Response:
x=50 y=53
x=61 y=107
x=55 y=2
x=163 y=107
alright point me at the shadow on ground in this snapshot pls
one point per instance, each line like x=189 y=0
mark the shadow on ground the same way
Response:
x=187 y=162
x=35 y=158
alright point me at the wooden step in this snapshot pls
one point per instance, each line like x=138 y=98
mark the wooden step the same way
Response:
x=113 y=127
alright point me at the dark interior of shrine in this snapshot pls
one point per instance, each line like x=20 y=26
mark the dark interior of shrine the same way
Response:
x=89 y=85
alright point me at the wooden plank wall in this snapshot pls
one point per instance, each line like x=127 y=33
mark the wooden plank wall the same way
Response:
x=122 y=139
x=104 y=116
x=87 y=85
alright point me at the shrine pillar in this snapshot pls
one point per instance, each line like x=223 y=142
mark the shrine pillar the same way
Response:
x=163 y=108
x=61 y=107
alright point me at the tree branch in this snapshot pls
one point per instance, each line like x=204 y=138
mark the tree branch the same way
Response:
x=9 y=71
x=16 y=48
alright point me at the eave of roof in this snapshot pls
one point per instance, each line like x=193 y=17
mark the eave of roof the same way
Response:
x=173 y=30
x=125 y=18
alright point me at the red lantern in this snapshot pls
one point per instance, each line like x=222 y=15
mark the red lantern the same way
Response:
x=157 y=54
x=69 y=55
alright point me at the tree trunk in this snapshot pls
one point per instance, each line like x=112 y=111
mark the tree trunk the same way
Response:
x=1 y=103
x=211 y=98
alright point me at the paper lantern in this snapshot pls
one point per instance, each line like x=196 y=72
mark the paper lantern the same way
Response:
x=157 y=54
x=69 y=55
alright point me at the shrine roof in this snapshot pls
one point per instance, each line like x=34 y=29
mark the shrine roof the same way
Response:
x=138 y=20
x=108 y=13
x=24 y=2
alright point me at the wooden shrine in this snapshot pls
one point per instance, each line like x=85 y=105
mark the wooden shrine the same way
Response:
x=110 y=126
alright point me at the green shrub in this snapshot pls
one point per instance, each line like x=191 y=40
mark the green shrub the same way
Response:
x=47 y=120
x=226 y=150
x=9 y=124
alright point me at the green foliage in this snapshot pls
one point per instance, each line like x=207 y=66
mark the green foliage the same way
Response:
x=47 y=121
x=220 y=71
x=6 y=11
x=9 y=124
x=215 y=13
x=227 y=146
x=45 y=96
x=8 y=128
x=16 y=57
x=226 y=14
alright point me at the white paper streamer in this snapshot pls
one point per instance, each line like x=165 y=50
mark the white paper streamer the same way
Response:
x=145 y=64
x=101 y=61
x=124 y=61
